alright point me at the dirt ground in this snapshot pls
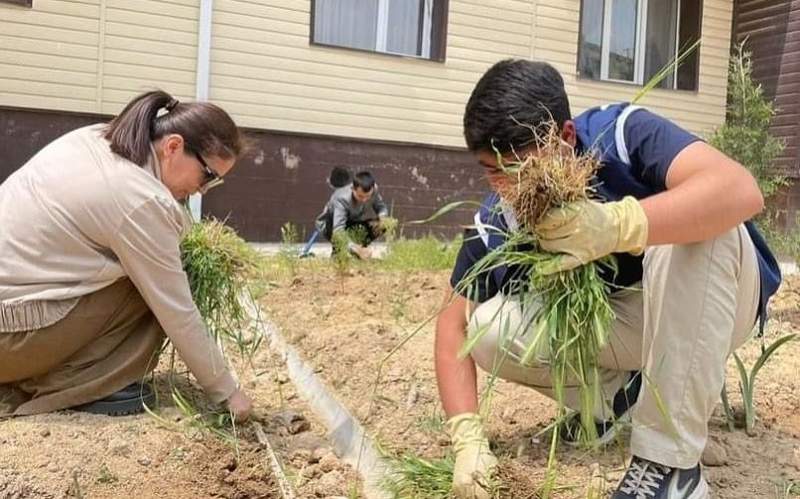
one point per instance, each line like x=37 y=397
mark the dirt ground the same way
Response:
x=78 y=455
x=348 y=327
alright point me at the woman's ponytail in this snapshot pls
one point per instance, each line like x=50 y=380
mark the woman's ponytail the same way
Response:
x=131 y=132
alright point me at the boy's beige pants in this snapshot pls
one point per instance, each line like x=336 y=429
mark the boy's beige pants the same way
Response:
x=108 y=341
x=696 y=304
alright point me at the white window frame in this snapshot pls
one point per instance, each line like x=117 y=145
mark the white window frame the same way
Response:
x=640 y=45
x=382 y=35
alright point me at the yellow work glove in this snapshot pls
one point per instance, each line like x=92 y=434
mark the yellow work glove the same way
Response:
x=584 y=231
x=475 y=463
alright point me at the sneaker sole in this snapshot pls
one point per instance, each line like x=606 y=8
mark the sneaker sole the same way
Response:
x=119 y=407
x=700 y=492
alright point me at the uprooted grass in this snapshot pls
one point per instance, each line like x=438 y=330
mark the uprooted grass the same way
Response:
x=413 y=477
x=571 y=314
x=220 y=267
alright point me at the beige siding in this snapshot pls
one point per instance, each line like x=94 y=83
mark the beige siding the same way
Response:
x=148 y=44
x=94 y=55
x=699 y=111
x=265 y=71
x=48 y=55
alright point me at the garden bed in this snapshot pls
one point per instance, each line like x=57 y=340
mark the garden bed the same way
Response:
x=345 y=324
x=80 y=455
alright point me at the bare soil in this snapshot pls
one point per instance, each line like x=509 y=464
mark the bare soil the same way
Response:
x=347 y=327
x=79 y=455
x=369 y=334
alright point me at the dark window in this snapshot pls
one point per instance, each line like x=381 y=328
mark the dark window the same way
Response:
x=26 y=3
x=632 y=40
x=414 y=28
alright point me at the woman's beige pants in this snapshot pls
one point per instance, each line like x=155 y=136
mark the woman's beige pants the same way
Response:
x=108 y=341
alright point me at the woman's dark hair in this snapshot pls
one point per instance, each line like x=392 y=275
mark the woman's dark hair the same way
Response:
x=206 y=129
x=510 y=98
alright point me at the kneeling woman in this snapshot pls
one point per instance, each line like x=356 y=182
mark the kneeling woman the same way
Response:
x=91 y=276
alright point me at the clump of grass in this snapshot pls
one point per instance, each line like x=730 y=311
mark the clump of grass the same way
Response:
x=788 y=490
x=287 y=255
x=747 y=384
x=426 y=253
x=552 y=178
x=572 y=314
x=219 y=422
x=220 y=266
x=389 y=225
x=341 y=257
x=105 y=475
x=414 y=477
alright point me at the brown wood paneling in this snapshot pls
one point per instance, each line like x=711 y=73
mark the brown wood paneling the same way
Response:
x=786 y=204
x=283 y=180
x=764 y=24
x=772 y=28
x=25 y=131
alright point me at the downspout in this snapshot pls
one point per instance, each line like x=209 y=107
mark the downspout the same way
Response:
x=202 y=77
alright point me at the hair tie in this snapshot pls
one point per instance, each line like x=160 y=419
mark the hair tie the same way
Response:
x=171 y=104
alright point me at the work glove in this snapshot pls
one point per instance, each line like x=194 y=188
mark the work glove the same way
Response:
x=584 y=231
x=475 y=463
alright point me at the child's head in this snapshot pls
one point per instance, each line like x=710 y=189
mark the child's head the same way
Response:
x=512 y=97
x=363 y=186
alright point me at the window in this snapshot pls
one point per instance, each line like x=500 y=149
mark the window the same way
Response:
x=414 y=28
x=25 y=3
x=632 y=40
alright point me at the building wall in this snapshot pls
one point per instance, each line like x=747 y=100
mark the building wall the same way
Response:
x=92 y=56
x=772 y=30
x=348 y=93
x=49 y=55
x=556 y=41
x=398 y=116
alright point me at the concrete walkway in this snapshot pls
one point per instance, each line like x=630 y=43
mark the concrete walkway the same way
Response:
x=320 y=250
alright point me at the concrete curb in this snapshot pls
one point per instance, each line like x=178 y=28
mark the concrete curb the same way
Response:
x=350 y=441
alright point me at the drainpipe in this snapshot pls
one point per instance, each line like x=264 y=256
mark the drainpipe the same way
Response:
x=202 y=77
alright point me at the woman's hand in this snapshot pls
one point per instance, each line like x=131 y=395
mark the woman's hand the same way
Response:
x=240 y=405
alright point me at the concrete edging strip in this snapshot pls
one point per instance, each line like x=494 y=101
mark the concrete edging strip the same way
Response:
x=350 y=441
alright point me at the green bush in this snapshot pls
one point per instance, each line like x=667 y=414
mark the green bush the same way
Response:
x=745 y=137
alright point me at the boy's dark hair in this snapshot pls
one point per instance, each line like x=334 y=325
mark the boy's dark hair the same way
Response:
x=512 y=96
x=339 y=177
x=364 y=180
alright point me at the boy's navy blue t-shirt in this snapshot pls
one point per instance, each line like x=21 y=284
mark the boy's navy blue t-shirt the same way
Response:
x=650 y=142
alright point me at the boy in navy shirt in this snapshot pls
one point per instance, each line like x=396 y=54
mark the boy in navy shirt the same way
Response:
x=694 y=278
